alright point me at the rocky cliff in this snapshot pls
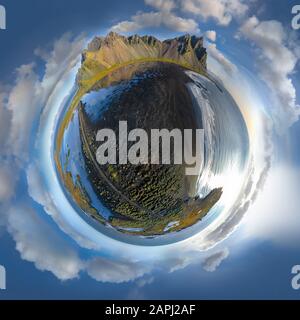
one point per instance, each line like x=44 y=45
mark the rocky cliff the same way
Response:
x=114 y=49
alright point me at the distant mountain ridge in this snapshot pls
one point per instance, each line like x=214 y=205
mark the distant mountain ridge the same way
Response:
x=114 y=49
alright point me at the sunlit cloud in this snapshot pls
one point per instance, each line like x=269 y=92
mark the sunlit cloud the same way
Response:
x=211 y=35
x=37 y=242
x=222 y=11
x=212 y=262
x=276 y=63
x=224 y=62
x=163 y=17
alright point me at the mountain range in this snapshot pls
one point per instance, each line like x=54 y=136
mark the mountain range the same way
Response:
x=113 y=50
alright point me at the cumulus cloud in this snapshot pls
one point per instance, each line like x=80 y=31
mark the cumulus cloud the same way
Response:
x=24 y=106
x=212 y=262
x=40 y=243
x=276 y=63
x=37 y=242
x=222 y=11
x=157 y=19
x=105 y=270
x=20 y=105
x=161 y=5
x=5 y=120
x=145 y=281
x=216 y=54
x=25 y=100
x=38 y=192
x=163 y=17
x=8 y=180
x=129 y=26
x=53 y=253
x=211 y=35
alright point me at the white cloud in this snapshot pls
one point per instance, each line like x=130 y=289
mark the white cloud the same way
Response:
x=161 y=5
x=37 y=242
x=20 y=106
x=179 y=24
x=8 y=180
x=28 y=96
x=222 y=11
x=212 y=262
x=178 y=263
x=23 y=105
x=105 y=270
x=127 y=26
x=167 y=19
x=63 y=57
x=38 y=192
x=214 y=53
x=276 y=62
x=145 y=281
x=211 y=35
x=163 y=17
x=40 y=243
x=5 y=120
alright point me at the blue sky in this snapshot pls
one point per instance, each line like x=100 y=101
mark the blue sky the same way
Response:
x=253 y=262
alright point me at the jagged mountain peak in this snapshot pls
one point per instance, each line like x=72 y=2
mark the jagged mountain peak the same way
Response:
x=114 y=49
